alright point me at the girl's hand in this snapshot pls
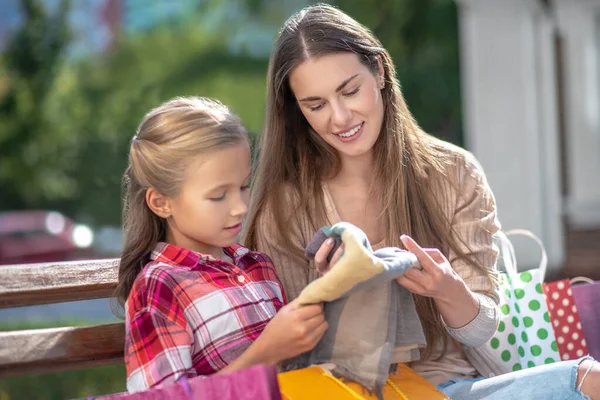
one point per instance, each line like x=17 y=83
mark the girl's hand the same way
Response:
x=320 y=260
x=436 y=279
x=294 y=330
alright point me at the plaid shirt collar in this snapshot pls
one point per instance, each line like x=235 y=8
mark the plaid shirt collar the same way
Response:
x=171 y=254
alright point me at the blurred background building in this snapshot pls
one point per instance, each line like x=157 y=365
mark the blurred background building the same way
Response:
x=531 y=95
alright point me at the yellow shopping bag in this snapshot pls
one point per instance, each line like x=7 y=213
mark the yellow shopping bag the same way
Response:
x=315 y=383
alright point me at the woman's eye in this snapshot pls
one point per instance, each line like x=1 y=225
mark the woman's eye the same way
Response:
x=316 y=108
x=246 y=187
x=352 y=93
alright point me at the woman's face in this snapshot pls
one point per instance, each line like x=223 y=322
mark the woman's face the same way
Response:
x=341 y=100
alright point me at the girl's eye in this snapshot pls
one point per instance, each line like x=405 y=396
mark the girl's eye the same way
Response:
x=352 y=93
x=246 y=187
x=217 y=198
x=316 y=108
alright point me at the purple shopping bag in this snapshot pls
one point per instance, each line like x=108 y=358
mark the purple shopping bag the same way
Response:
x=259 y=382
x=587 y=299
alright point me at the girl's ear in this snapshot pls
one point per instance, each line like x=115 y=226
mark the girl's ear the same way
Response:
x=157 y=203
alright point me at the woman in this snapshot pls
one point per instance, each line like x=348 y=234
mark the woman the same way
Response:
x=341 y=145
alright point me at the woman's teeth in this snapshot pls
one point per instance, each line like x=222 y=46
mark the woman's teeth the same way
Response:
x=351 y=132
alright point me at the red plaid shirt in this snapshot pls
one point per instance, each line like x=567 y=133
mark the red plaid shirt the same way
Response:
x=191 y=314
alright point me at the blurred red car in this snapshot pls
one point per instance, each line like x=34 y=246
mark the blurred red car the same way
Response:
x=42 y=236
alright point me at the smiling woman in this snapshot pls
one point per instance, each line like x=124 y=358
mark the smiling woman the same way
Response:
x=340 y=144
x=341 y=100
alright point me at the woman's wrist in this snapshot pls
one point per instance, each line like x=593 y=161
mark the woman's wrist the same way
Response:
x=459 y=306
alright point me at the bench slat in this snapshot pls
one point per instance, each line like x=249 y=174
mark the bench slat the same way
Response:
x=46 y=283
x=36 y=351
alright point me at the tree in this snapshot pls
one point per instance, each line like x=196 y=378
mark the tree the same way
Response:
x=30 y=168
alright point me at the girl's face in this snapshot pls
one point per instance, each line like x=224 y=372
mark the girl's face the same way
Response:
x=207 y=213
x=341 y=100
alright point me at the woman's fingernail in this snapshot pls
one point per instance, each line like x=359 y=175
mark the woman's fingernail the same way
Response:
x=330 y=241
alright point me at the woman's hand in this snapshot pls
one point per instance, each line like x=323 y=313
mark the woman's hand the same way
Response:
x=294 y=330
x=457 y=304
x=320 y=259
x=435 y=279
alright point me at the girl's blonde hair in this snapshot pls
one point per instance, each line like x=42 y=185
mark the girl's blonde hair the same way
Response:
x=293 y=156
x=167 y=140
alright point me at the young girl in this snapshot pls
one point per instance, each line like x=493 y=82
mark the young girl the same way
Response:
x=341 y=145
x=197 y=303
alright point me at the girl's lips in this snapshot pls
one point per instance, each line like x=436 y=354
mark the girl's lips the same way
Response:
x=235 y=228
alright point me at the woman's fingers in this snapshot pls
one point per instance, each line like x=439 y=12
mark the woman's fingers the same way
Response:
x=425 y=259
x=320 y=259
x=412 y=286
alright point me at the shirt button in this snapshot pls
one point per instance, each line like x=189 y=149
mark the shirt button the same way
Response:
x=241 y=279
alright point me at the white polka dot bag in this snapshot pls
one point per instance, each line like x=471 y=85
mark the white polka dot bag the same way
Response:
x=525 y=337
x=565 y=320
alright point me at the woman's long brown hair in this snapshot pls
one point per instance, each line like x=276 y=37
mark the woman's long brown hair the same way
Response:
x=293 y=157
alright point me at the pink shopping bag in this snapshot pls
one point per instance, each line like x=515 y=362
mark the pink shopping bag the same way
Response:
x=259 y=382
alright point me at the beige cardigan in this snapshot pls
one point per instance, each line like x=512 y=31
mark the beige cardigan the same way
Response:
x=472 y=211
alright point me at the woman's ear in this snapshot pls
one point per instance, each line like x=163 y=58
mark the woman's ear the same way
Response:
x=158 y=203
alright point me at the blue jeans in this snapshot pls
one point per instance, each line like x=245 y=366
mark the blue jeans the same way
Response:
x=556 y=381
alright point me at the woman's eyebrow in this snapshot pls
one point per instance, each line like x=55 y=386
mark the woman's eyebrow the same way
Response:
x=339 y=88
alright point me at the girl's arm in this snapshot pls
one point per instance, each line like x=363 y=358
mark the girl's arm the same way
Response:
x=294 y=330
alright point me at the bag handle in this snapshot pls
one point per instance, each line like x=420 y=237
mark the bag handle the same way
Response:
x=508 y=251
x=580 y=279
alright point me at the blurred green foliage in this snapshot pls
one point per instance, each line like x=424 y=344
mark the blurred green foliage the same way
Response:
x=65 y=124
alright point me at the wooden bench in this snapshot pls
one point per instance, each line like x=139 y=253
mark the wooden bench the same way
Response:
x=35 y=351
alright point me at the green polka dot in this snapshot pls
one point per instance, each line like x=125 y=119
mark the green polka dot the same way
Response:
x=505 y=355
x=505 y=309
x=508 y=293
x=508 y=279
x=517 y=308
x=542 y=333
x=526 y=277
x=546 y=317
x=495 y=343
x=521 y=351
x=515 y=322
x=549 y=360
x=501 y=326
x=530 y=364
x=527 y=321
x=538 y=288
x=519 y=293
x=512 y=339
x=517 y=367
x=554 y=346
x=524 y=337
x=536 y=350
x=534 y=305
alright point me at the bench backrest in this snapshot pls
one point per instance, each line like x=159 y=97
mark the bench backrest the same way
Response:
x=34 y=351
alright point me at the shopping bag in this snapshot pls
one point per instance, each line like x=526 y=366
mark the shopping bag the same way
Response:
x=314 y=383
x=259 y=382
x=587 y=299
x=565 y=320
x=524 y=337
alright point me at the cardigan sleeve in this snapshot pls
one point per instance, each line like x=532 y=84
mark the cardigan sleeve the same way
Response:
x=474 y=223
